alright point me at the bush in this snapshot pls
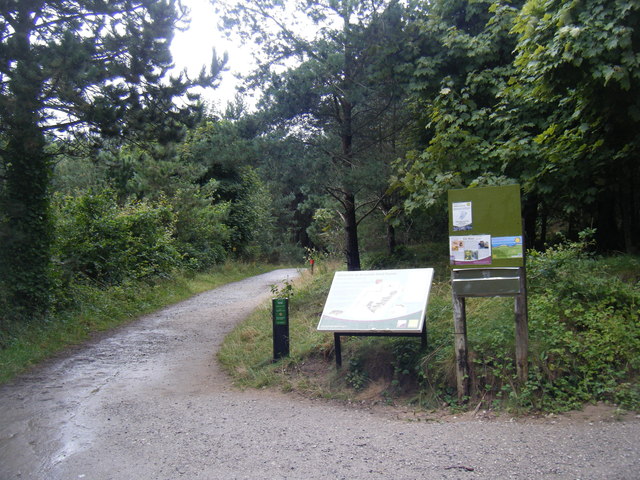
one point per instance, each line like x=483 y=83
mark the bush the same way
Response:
x=584 y=330
x=100 y=241
x=200 y=229
x=584 y=336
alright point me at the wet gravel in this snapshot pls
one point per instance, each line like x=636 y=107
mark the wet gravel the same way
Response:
x=148 y=401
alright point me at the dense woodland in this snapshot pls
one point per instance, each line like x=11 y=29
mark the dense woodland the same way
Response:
x=112 y=170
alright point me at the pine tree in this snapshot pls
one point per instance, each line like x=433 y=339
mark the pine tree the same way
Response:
x=94 y=68
x=340 y=90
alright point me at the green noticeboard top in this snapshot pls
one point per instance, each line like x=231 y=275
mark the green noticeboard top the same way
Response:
x=485 y=227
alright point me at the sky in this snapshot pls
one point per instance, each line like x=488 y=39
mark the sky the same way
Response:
x=192 y=49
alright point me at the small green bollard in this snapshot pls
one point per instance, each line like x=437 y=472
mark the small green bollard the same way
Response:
x=280 y=311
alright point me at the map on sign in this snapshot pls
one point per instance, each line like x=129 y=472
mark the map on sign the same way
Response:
x=377 y=300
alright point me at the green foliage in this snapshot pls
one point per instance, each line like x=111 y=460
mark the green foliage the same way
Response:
x=250 y=217
x=356 y=378
x=286 y=290
x=342 y=96
x=543 y=93
x=87 y=69
x=325 y=231
x=460 y=79
x=201 y=232
x=581 y=59
x=224 y=154
x=584 y=337
x=108 y=244
x=25 y=222
x=585 y=330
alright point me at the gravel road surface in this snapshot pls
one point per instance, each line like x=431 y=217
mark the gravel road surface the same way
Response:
x=148 y=401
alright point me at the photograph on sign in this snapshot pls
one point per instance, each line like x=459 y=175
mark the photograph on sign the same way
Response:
x=385 y=300
x=462 y=216
x=506 y=247
x=470 y=250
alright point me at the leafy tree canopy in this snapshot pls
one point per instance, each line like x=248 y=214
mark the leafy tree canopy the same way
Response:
x=338 y=88
x=83 y=67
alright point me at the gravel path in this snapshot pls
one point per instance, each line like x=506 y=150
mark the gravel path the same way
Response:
x=149 y=402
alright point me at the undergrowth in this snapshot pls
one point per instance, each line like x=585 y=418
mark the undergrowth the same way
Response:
x=584 y=343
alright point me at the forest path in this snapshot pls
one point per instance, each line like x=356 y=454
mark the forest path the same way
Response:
x=148 y=401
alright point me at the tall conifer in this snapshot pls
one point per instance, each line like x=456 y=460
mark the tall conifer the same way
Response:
x=94 y=68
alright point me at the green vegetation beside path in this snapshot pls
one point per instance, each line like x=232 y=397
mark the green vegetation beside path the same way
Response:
x=584 y=344
x=99 y=309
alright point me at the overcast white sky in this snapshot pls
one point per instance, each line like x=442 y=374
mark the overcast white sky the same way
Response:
x=192 y=49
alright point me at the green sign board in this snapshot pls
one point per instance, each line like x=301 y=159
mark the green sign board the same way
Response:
x=485 y=227
x=280 y=314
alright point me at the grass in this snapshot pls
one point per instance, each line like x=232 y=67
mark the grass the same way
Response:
x=103 y=309
x=369 y=363
x=584 y=345
x=386 y=369
x=247 y=352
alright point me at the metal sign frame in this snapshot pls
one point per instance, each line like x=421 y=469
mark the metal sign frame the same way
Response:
x=377 y=303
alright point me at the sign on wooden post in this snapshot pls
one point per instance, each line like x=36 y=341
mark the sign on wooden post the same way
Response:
x=486 y=251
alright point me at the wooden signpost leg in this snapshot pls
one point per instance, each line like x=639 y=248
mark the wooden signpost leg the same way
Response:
x=460 y=334
x=522 y=330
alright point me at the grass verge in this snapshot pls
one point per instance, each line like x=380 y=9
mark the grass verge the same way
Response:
x=375 y=369
x=100 y=309
x=247 y=352
x=584 y=344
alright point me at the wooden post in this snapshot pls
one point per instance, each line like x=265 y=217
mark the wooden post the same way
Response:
x=522 y=329
x=460 y=341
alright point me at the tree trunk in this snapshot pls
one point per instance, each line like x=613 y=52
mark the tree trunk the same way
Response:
x=608 y=236
x=530 y=216
x=628 y=199
x=352 y=250
x=544 y=222
x=25 y=237
x=391 y=238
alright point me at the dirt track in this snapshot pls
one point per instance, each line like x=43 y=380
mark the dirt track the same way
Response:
x=149 y=402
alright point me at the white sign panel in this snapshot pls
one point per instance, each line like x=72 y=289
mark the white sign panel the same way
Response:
x=377 y=300
x=462 y=216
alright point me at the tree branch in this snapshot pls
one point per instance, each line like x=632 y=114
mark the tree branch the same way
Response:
x=372 y=209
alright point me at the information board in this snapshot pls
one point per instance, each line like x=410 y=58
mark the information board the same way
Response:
x=377 y=300
x=485 y=227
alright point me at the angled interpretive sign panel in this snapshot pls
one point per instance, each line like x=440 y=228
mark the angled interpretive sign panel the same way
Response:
x=392 y=301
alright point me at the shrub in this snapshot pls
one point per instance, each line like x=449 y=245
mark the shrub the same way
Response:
x=584 y=336
x=98 y=240
x=200 y=230
x=584 y=330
